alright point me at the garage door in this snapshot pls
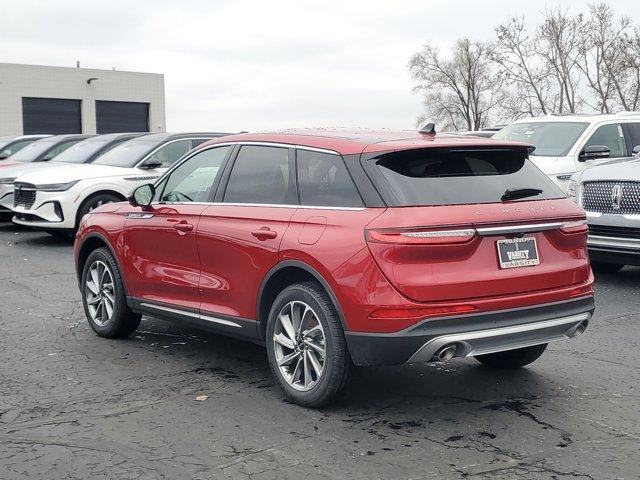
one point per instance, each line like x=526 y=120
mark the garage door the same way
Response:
x=51 y=115
x=115 y=117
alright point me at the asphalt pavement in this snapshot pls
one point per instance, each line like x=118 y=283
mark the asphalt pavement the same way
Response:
x=76 y=406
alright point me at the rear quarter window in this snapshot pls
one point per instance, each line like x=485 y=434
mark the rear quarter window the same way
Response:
x=437 y=176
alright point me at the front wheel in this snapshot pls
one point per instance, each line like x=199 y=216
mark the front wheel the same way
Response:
x=306 y=347
x=103 y=297
x=512 y=358
x=94 y=202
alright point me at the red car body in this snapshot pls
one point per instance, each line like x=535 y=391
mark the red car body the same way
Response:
x=392 y=292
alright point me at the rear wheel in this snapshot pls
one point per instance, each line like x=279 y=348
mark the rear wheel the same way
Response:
x=306 y=347
x=103 y=297
x=512 y=358
x=601 y=267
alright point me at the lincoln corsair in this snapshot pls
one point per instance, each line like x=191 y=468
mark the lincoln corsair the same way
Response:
x=335 y=249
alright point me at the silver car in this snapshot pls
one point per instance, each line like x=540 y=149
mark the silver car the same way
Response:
x=610 y=195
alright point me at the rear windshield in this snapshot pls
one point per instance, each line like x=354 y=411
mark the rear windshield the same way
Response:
x=437 y=176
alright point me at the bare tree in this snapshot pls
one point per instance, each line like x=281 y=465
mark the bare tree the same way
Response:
x=559 y=44
x=604 y=56
x=523 y=70
x=459 y=92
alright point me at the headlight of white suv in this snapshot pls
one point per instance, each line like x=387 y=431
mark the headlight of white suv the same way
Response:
x=56 y=187
x=572 y=188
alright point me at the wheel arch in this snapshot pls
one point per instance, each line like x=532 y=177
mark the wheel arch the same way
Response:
x=91 y=242
x=279 y=277
x=102 y=191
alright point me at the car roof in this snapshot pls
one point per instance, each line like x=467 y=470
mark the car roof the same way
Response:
x=347 y=142
x=584 y=118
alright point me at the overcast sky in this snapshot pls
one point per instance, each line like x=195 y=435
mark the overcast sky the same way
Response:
x=255 y=65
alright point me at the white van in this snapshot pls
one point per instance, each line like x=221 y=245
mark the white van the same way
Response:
x=570 y=143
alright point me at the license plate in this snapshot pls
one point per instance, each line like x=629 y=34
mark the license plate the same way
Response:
x=518 y=252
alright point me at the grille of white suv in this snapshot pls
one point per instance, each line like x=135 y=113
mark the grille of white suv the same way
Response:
x=604 y=197
x=24 y=195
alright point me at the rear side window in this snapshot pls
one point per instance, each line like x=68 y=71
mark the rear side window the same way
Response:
x=172 y=151
x=324 y=181
x=260 y=175
x=437 y=176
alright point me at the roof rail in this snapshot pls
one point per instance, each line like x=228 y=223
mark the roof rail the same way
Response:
x=627 y=114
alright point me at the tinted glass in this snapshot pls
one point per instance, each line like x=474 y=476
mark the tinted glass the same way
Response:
x=129 y=153
x=634 y=128
x=59 y=148
x=81 y=151
x=551 y=139
x=34 y=150
x=13 y=147
x=169 y=153
x=260 y=175
x=323 y=180
x=192 y=180
x=610 y=136
x=456 y=177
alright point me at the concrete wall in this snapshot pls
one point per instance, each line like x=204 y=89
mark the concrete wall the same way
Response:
x=17 y=81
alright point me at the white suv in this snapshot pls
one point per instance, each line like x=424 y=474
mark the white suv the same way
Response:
x=56 y=199
x=570 y=143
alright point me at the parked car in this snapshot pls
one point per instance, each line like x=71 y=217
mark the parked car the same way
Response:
x=85 y=151
x=11 y=144
x=42 y=150
x=610 y=195
x=570 y=143
x=335 y=249
x=56 y=200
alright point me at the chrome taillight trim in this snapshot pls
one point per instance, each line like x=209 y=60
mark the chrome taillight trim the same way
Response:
x=441 y=233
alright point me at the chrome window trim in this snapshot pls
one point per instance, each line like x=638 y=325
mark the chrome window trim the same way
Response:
x=537 y=227
x=271 y=205
x=187 y=313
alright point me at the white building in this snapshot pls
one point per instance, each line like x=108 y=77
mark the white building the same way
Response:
x=38 y=99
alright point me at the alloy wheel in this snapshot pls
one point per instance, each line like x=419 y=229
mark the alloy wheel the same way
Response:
x=99 y=293
x=299 y=345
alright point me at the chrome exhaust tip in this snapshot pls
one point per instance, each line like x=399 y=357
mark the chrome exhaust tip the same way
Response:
x=445 y=353
x=580 y=328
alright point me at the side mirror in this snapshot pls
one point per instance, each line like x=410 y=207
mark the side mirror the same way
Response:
x=143 y=195
x=593 y=152
x=634 y=152
x=151 y=164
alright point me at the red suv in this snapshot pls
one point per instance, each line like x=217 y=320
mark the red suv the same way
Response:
x=337 y=249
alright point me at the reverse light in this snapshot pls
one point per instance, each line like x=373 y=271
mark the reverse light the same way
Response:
x=421 y=237
x=417 y=313
x=579 y=226
x=56 y=187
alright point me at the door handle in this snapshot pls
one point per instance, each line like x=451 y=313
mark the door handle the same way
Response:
x=183 y=227
x=264 y=233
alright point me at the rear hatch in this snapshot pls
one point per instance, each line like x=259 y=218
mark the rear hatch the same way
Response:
x=473 y=222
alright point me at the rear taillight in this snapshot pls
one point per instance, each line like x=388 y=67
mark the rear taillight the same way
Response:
x=579 y=226
x=421 y=237
x=418 y=313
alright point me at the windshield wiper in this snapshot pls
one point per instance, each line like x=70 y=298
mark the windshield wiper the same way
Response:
x=516 y=193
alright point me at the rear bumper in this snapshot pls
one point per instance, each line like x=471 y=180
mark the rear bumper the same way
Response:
x=474 y=334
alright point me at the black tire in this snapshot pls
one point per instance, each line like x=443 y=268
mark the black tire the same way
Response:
x=512 y=358
x=601 y=267
x=93 y=202
x=337 y=361
x=123 y=321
